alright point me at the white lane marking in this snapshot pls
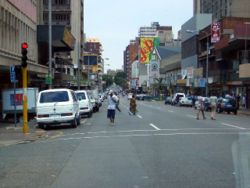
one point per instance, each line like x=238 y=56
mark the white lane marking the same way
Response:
x=171 y=111
x=190 y=116
x=156 y=128
x=147 y=135
x=230 y=125
x=139 y=116
x=83 y=121
x=145 y=130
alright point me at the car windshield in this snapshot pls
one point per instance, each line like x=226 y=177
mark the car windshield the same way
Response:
x=81 y=96
x=57 y=96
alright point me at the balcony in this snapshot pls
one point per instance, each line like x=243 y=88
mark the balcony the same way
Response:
x=58 y=8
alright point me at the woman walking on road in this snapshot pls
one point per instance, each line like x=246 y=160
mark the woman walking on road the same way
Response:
x=133 y=105
x=213 y=100
x=111 y=107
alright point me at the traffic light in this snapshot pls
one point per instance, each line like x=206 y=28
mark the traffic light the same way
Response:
x=24 y=54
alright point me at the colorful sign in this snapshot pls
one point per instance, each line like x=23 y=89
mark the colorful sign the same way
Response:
x=215 y=32
x=18 y=98
x=147 y=45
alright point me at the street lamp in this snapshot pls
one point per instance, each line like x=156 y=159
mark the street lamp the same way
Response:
x=245 y=53
x=207 y=49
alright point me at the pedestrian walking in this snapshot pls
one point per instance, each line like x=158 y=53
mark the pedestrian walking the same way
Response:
x=213 y=101
x=116 y=97
x=132 y=105
x=200 y=108
x=111 y=107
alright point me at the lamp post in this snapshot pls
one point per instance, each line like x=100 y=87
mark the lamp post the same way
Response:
x=207 y=57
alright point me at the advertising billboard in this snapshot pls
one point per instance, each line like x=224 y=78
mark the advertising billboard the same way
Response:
x=147 y=45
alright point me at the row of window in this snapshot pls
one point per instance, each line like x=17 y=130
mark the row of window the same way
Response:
x=57 y=2
x=13 y=32
x=57 y=17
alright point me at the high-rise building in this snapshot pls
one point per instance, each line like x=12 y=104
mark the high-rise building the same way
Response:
x=67 y=26
x=223 y=8
x=130 y=55
x=164 y=33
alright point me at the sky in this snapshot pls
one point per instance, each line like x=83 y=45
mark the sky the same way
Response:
x=116 y=22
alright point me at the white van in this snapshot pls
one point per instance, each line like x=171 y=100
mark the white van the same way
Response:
x=86 y=107
x=56 y=106
x=177 y=97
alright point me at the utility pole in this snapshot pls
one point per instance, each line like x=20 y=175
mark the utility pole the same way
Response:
x=207 y=67
x=50 y=44
x=79 y=67
x=24 y=75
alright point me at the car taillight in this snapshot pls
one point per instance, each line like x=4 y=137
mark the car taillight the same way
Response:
x=66 y=114
x=42 y=115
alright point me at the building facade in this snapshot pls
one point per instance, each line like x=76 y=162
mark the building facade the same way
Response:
x=67 y=23
x=223 y=8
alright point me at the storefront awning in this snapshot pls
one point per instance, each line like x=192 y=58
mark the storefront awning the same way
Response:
x=62 y=39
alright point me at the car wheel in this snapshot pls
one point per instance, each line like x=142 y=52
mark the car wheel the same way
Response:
x=89 y=114
x=235 y=112
x=79 y=120
x=228 y=112
x=74 y=123
x=97 y=109
x=40 y=125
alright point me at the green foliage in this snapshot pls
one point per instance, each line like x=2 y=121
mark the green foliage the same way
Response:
x=121 y=79
x=108 y=79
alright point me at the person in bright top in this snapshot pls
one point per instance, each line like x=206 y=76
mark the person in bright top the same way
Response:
x=201 y=108
x=213 y=101
x=133 y=105
x=112 y=102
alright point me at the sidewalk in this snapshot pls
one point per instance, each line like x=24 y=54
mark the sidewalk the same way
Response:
x=244 y=112
x=9 y=134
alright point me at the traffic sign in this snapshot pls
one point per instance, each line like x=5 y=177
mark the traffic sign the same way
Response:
x=12 y=74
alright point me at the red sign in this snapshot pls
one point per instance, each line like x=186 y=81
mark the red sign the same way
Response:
x=215 y=32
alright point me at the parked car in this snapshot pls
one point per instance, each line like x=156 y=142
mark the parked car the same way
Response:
x=177 y=97
x=168 y=100
x=186 y=101
x=94 y=101
x=140 y=96
x=226 y=105
x=57 y=106
x=86 y=107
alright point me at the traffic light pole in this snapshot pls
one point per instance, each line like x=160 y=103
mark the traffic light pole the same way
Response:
x=25 y=107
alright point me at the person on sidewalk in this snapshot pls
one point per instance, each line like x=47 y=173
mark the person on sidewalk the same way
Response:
x=200 y=108
x=111 y=107
x=132 y=105
x=213 y=101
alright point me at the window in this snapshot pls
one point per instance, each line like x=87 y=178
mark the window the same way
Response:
x=56 y=96
x=81 y=96
x=73 y=96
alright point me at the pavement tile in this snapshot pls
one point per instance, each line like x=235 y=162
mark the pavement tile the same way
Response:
x=9 y=134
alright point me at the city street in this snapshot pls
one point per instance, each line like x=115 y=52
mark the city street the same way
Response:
x=162 y=146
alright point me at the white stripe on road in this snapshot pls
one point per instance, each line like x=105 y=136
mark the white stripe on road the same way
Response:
x=146 y=135
x=156 y=128
x=234 y=126
x=171 y=111
x=139 y=116
x=190 y=116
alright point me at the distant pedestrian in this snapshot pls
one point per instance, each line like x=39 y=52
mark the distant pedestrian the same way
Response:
x=132 y=105
x=200 y=108
x=111 y=107
x=213 y=100
x=116 y=97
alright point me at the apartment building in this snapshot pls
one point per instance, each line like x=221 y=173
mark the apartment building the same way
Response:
x=223 y=8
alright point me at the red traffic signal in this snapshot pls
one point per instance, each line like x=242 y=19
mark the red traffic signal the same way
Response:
x=24 y=45
x=24 y=54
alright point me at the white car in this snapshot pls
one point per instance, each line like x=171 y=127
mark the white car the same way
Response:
x=177 y=97
x=186 y=101
x=86 y=107
x=57 y=106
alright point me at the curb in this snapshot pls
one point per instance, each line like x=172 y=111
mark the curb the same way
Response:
x=31 y=137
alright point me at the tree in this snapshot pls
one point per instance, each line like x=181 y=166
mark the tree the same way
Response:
x=121 y=79
x=108 y=79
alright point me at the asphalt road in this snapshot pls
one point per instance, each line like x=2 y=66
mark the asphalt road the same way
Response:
x=161 y=147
